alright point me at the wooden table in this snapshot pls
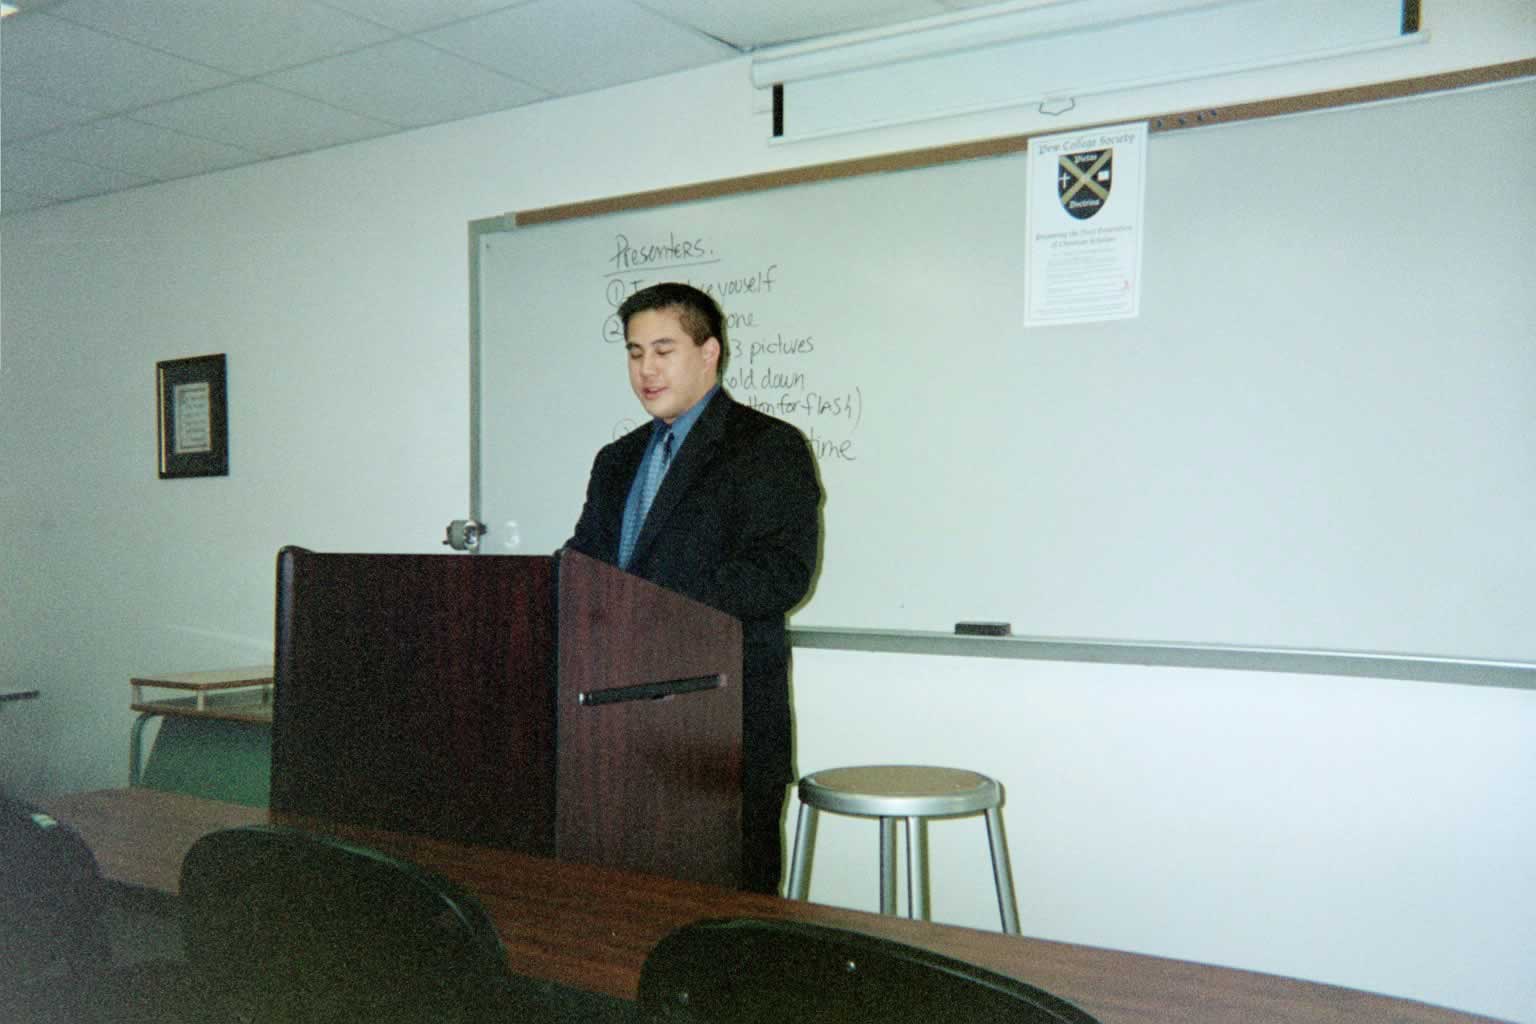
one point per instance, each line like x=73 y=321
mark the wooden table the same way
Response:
x=226 y=695
x=591 y=928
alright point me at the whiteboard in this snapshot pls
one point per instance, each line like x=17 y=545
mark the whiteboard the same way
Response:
x=1320 y=432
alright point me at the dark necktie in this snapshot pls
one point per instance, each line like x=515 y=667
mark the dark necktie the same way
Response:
x=655 y=469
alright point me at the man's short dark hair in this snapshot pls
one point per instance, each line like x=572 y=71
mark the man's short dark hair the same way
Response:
x=699 y=314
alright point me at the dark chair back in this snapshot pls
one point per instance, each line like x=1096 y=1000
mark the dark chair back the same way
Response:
x=53 y=938
x=769 y=972
x=284 y=925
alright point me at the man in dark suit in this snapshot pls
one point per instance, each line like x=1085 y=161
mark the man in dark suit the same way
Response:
x=720 y=502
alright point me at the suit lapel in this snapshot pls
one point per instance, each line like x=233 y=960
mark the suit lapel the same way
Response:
x=688 y=464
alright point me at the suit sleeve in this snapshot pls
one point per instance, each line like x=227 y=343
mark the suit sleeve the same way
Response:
x=777 y=529
x=595 y=528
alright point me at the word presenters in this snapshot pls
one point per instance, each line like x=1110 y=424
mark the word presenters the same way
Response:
x=778 y=362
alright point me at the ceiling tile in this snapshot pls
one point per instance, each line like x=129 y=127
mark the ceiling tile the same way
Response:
x=406 y=83
x=243 y=37
x=43 y=175
x=26 y=114
x=749 y=26
x=168 y=88
x=45 y=55
x=263 y=119
x=414 y=15
x=572 y=46
x=14 y=202
x=141 y=149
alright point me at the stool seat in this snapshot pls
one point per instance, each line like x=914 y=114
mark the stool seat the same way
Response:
x=900 y=791
x=913 y=793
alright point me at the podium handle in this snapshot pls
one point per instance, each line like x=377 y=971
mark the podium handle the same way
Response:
x=650 y=691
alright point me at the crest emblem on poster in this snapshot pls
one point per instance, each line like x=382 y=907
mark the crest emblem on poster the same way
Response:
x=1083 y=181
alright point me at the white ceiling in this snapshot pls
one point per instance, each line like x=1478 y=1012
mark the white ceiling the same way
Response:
x=97 y=96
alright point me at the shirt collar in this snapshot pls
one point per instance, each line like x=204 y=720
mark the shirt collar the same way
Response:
x=685 y=422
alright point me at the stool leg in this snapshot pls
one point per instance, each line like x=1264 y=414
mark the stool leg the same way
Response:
x=800 y=860
x=887 y=865
x=917 y=868
x=1002 y=873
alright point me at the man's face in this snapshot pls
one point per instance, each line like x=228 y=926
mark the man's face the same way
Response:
x=667 y=371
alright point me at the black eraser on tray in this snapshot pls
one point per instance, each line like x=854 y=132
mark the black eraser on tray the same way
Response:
x=983 y=629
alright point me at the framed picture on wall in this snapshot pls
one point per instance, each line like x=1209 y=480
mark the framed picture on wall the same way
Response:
x=193 y=421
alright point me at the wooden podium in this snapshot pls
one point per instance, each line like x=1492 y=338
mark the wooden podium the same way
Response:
x=551 y=705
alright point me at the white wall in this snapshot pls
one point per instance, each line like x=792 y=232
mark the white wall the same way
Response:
x=1365 y=832
x=1395 y=856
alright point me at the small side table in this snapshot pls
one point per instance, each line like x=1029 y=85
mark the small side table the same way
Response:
x=226 y=694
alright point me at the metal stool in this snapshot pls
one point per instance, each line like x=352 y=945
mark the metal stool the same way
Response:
x=913 y=792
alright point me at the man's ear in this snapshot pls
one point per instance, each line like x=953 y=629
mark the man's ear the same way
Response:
x=711 y=348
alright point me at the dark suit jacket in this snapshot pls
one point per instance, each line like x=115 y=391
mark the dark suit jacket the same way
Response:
x=736 y=525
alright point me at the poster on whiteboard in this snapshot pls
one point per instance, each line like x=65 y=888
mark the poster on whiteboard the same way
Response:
x=1084 y=208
